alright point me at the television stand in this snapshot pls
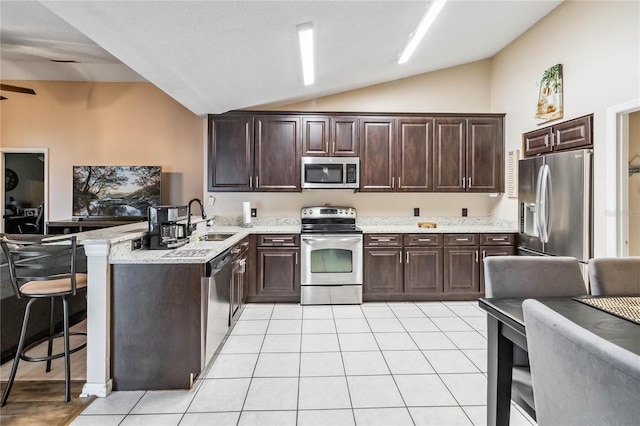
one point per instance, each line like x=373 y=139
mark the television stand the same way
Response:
x=72 y=226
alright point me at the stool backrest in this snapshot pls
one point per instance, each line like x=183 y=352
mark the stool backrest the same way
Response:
x=37 y=260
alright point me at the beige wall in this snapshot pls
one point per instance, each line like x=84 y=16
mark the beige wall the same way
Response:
x=598 y=43
x=634 y=185
x=106 y=124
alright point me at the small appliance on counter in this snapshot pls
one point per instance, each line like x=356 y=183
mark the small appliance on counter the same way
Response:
x=165 y=233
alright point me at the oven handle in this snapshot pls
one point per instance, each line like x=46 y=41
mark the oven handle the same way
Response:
x=311 y=240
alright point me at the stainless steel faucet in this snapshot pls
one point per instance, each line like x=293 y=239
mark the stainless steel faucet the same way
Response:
x=190 y=227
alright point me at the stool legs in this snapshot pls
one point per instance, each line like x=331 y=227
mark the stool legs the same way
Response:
x=16 y=360
x=52 y=331
x=67 y=360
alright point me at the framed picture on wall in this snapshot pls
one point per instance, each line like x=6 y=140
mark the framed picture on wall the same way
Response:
x=549 y=106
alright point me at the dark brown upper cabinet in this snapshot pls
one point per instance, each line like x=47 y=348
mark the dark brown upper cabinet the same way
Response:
x=468 y=154
x=251 y=151
x=254 y=153
x=377 y=161
x=413 y=155
x=572 y=134
x=324 y=136
x=277 y=153
x=230 y=153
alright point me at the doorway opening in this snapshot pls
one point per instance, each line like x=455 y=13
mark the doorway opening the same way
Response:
x=623 y=204
x=25 y=193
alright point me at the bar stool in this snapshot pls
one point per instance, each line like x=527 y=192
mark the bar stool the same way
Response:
x=40 y=270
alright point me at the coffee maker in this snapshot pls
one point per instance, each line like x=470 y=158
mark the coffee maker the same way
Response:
x=165 y=231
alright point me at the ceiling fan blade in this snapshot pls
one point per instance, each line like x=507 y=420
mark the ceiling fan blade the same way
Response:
x=9 y=88
x=2 y=98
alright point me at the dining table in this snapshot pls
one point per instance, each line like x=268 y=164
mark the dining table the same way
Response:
x=506 y=328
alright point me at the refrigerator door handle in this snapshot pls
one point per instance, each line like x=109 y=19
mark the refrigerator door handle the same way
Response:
x=545 y=187
x=538 y=207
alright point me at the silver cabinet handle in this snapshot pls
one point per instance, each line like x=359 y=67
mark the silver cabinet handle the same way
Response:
x=393 y=182
x=484 y=254
x=469 y=186
x=498 y=239
x=277 y=240
x=407 y=257
x=250 y=181
x=333 y=147
x=399 y=185
x=463 y=183
x=424 y=239
x=296 y=256
x=462 y=239
x=235 y=250
x=476 y=256
x=383 y=240
x=257 y=184
x=400 y=257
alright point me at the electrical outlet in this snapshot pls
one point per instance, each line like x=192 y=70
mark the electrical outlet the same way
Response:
x=416 y=211
x=464 y=212
x=212 y=200
x=254 y=212
x=137 y=244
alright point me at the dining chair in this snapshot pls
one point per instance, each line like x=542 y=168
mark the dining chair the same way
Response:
x=528 y=277
x=36 y=226
x=614 y=276
x=44 y=270
x=578 y=377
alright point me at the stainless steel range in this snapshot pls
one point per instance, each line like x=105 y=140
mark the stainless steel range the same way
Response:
x=331 y=256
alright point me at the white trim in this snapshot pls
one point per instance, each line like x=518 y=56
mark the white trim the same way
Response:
x=44 y=151
x=616 y=176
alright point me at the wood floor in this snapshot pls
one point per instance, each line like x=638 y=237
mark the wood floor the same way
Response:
x=37 y=397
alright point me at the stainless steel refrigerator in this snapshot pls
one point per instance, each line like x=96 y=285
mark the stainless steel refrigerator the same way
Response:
x=555 y=202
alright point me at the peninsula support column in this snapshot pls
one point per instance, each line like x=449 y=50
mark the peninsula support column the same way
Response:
x=99 y=380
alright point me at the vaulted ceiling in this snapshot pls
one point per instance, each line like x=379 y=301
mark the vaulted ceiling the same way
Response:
x=215 y=56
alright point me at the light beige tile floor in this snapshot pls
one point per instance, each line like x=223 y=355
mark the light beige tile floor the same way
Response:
x=374 y=364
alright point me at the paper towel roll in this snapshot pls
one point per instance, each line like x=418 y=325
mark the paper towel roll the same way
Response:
x=246 y=213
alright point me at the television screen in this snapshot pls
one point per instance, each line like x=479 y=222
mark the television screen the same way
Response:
x=111 y=191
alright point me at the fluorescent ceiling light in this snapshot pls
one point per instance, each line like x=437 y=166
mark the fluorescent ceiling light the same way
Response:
x=421 y=29
x=305 y=36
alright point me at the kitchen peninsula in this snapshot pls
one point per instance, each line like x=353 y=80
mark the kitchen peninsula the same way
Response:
x=108 y=248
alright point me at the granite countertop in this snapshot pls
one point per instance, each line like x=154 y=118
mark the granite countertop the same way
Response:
x=197 y=251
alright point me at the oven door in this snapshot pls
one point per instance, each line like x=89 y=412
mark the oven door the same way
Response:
x=327 y=259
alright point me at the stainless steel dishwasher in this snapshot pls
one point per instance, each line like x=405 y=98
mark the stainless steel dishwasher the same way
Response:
x=216 y=305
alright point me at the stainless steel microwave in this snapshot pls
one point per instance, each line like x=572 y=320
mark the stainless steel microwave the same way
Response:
x=330 y=172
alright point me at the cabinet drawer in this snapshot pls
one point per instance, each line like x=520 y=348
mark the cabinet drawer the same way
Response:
x=383 y=240
x=460 y=239
x=288 y=240
x=423 y=239
x=497 y=239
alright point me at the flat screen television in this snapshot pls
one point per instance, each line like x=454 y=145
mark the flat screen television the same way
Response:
x=115 y=191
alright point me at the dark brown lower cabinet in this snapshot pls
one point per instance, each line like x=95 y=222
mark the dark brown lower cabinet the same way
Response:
x=429 y=266
x=277 y=269
x=382 y=272
x=156 y=326
x=423 y=270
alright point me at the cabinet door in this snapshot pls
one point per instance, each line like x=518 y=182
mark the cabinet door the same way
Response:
x=537 y=142
x=485 y=155
x=414 y=152
x=449 y=148
x=461 y=269
x=377 y=171
x=277 y=153
x=382 y=271
x=423 y=270
x=315 y=136
x=486 y=251
x=573 y=134
x=278 y=272
x=344 y=136
x=230 y=153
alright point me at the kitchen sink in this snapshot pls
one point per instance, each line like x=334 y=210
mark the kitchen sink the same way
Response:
x=218 y=236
